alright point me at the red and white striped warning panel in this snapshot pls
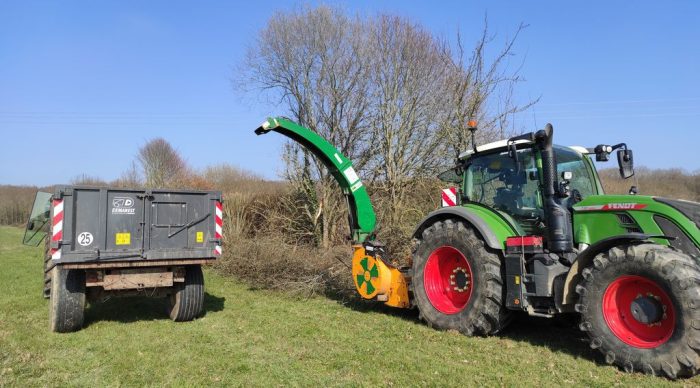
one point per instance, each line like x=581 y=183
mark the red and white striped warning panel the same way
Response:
x=57 y=228
x=449 y=197
x=219 y=219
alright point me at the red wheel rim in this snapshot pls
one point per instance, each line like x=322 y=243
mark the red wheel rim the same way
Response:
x=617 y=310
x=448 y=280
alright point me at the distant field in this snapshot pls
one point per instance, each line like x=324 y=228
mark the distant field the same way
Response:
x=260 y=338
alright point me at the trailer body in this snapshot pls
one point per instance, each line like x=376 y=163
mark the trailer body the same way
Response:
x=104 y=241
x=104 y=225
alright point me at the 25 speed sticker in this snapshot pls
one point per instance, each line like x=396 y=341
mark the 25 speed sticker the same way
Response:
x=85 y=239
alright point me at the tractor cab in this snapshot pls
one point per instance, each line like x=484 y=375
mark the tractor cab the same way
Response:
x=512 y=185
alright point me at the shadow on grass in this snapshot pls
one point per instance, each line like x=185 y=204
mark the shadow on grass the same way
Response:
x=559 y=334
x=141 y=308
x=351 y=300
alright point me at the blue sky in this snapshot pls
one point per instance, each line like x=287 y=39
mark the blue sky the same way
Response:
x=83 y=84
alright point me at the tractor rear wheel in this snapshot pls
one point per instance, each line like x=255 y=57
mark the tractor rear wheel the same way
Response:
x=640 y=306
x=457 y=282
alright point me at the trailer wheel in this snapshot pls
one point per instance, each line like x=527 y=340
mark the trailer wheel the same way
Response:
x=67 y=306
x=187 y=300
x=640 y=306
x=457 y=283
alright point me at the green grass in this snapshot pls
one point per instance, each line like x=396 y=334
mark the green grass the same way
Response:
x=260 y=338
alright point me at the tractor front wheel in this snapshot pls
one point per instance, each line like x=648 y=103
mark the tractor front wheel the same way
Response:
x=457 y=283
x=640 y=305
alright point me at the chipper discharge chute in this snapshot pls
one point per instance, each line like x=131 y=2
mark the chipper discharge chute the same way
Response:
x=374 y=277
x=533 y=231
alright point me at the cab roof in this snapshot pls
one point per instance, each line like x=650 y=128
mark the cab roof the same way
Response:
x=502 y=145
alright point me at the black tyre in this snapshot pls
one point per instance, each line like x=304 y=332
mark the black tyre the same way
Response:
x=187 y=300
x=457 y=282
x=67 y=305
x=640 y=306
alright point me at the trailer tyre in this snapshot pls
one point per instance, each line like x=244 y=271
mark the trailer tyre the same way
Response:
x=640 y=306
x=187 y=300
x=67 y=305
x=457 y=282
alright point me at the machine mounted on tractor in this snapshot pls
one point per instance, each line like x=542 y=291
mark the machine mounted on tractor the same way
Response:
x=534 y=232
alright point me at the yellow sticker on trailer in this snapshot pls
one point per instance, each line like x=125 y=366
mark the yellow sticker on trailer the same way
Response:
x=122 y=239
x=200 y=237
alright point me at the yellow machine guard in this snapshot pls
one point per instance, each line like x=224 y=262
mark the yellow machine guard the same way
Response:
x=374 y=279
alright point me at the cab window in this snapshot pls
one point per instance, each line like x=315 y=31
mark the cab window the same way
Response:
x=494 y=180
x=572 y=161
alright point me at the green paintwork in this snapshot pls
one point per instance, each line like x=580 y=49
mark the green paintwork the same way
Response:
x=373 y=274
x=370 y=288
x=592 y=226
x=361 y=210
x=496 y=222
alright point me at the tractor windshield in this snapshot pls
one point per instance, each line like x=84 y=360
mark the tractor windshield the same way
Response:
x=494 y=180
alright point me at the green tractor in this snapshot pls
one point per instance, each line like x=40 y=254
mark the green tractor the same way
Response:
x=533 y=231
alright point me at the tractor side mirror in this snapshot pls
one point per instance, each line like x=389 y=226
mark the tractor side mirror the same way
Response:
x=626 y=163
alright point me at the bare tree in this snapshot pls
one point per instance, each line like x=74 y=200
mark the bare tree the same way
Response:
x=227 y=177
x=129 y=178
x=481 y=89
x=408 y=68
x=391 y=96
x=88 y=180
x=312 y=62
x=161 y=164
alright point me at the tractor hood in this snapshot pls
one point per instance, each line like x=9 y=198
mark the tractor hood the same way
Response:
x=688 y=208
x=602 y=216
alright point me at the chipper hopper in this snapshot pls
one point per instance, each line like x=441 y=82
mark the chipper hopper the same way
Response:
x=534 y=232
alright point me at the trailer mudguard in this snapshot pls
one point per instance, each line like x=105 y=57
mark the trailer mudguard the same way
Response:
x=362 y=217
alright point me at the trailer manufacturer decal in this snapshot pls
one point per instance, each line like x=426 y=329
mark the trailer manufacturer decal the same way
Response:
x=123 y=205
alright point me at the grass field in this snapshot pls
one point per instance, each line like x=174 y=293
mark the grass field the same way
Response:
x=258 y=338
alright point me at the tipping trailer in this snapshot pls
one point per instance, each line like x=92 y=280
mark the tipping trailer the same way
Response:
x=533 y=231
x=102 y=242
